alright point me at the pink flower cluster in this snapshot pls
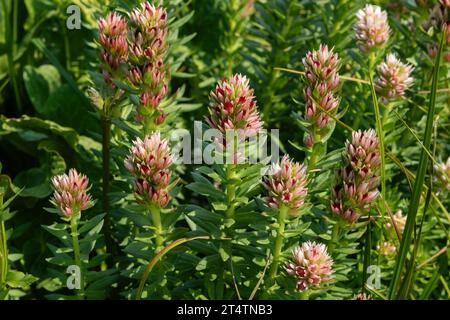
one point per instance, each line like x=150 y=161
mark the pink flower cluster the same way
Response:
x=311 y=265
x=322 y=78
x=141 y=49
x=112 y=37
x=357 y=182
x=393 y=78
x=149 y=161
x=286 y=185
x=442 y=174
x=148 y=47
x=70 y=195
x=372 y=28
x=233 y=107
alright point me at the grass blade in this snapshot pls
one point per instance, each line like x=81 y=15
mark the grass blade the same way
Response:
x=420 y=178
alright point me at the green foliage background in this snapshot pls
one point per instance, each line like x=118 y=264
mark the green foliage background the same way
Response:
x=48 y=125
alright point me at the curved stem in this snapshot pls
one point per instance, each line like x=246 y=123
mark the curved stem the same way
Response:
x=76 y=252
x=282 y=215
x=3 y=254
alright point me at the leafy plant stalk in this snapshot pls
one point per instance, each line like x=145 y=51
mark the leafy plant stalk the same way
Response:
x=106 y=136
x=76 y=252
x=156 y=218
x=420 y=178
x=282 y=216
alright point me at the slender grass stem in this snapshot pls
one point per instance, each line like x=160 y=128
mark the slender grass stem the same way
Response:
x=9 y=34
x=278 y=247
x=77 y=254
x=380 y=132
x=419 y=182
x=106 y=137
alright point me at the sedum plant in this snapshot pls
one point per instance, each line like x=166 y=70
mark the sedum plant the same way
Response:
x=187 y=96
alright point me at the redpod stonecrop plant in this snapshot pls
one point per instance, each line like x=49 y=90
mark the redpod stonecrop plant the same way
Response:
x=322 y=81
x=147 y=72
x=372 y=28
x=286 y=193
x=393 y=78
x=71 y=197
x=149 y=163
x=311 y=265
x=356 y=187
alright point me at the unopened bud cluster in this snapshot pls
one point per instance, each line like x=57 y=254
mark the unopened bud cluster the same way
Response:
x=357 y=182
x=70 y=195
x=149 y=161
x=322 y=80
x=140 y=47
x=112 y=37
x=286 y=186
x=148 y=72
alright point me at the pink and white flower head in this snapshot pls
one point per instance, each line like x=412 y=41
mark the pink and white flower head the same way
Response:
x=286 y=185
x=362 y=296
x=148 y=73
x=149 y=42
x=311 y=265
x=394 y=78
x=113 y=39
x=322 y=80
x=233 y=107
x=321 y=67
x=442 y=175
x=149 y=161
x=356 y=183
x=372 y=28
x=70 y=193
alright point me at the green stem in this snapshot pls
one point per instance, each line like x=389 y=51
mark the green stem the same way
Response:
x=282 y=216
x=313 y=155
x=420 y=178
x=106 y=137
x=3 y=254
x=3 y=249
x=304 y=295
x=380 y=132
x=367 y=249
x=156 y=218
x=9 y=34
x=231 y=190
x=76 y=252
x=334 y=237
